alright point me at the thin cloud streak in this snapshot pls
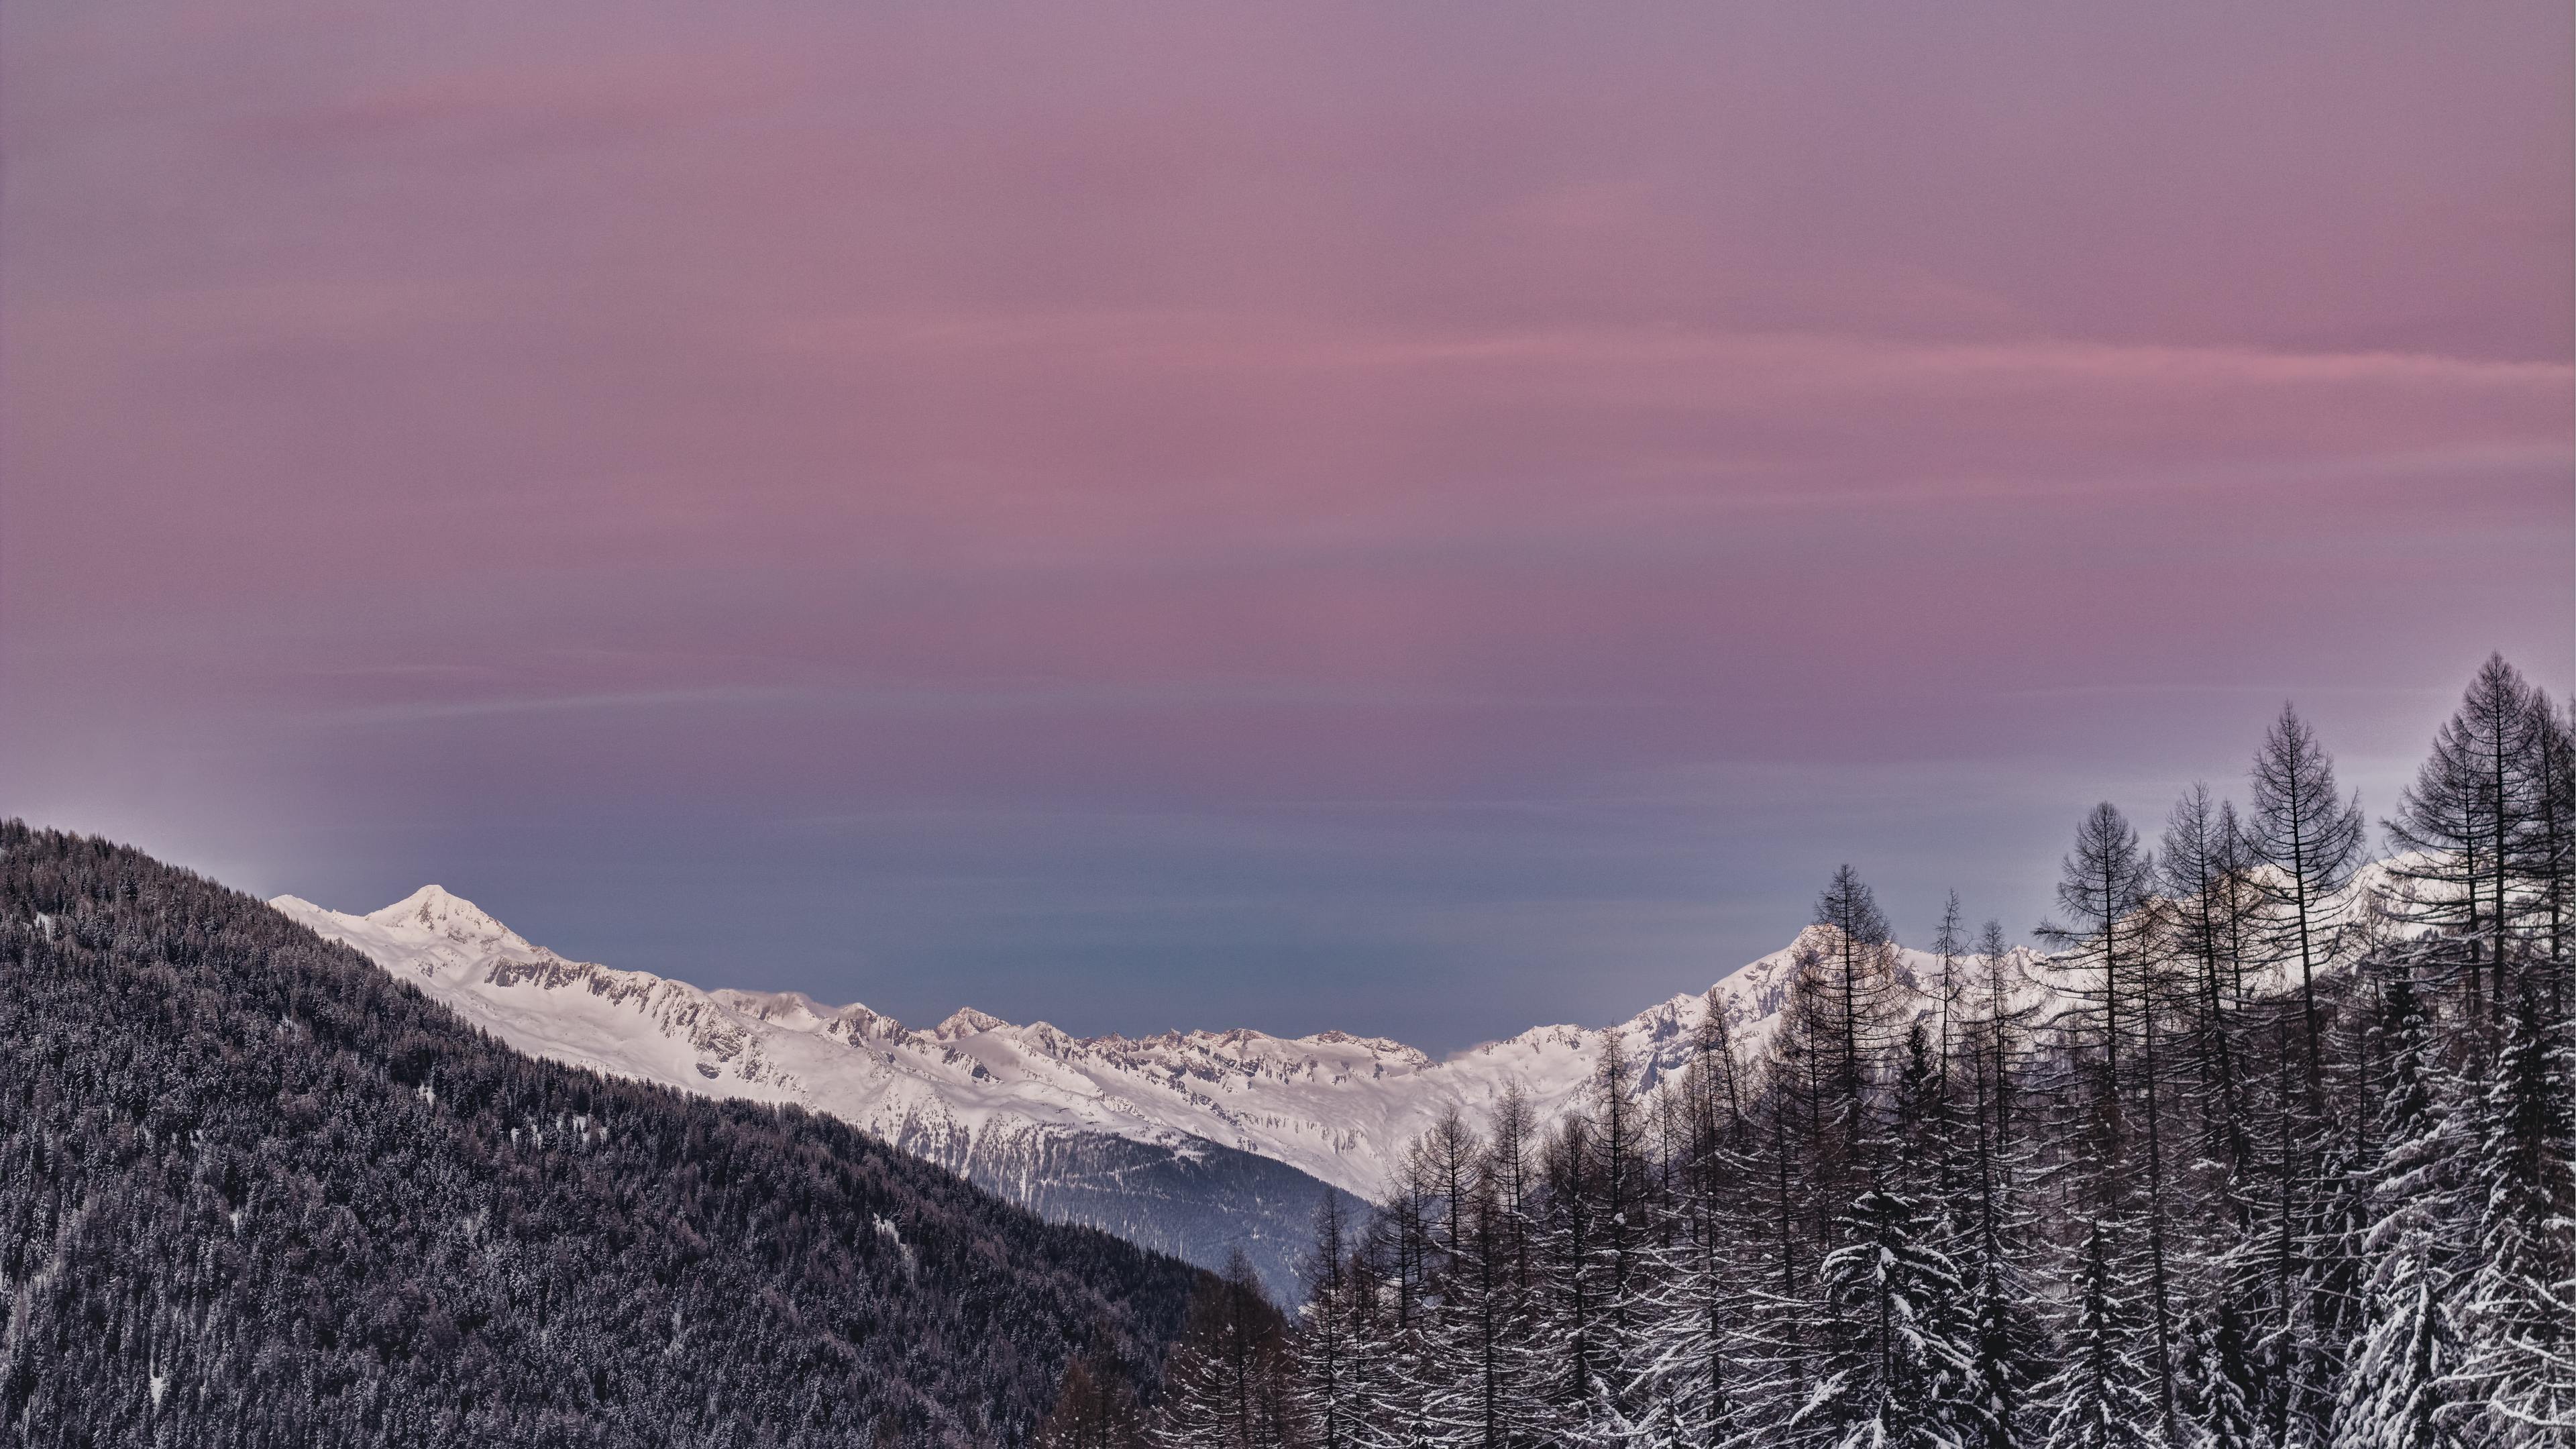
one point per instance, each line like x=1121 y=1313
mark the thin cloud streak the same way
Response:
x=968 y=698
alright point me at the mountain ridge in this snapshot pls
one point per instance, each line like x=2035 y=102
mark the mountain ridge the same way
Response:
x=1194 y=1142
x=976 y=1072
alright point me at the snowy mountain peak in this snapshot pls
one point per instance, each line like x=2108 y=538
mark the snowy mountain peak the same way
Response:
x=966 y=1021
x=441 y=912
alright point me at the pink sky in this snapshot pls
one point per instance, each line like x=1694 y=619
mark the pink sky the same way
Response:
x=1415 y=517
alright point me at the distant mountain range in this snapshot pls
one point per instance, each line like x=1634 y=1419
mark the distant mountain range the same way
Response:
x=1192 y=1142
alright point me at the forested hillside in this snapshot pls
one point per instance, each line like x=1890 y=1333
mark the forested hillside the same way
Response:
x=2264 y=1155
x=255 y=1192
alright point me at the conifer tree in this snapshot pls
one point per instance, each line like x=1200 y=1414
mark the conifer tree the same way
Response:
x=1777 y=1158
x=1905 y=1374
x=1621 y=1180
x=2104 y=888
x=2402 y=1388
x=2197 y=876
x=1919 y=1162
x=1491 y=1314
x=2217 y=1380
x=1325 y=1382
x=1512 y=1177
x=2001 y=1036
x=2004 y=1347
x=1223 y=1386
x=2518 y=1319
x=1693 y=1339
x=2546 y=855
x=1857 y=1002
x=2096 y=1401
x=1570 y=1331
x=1950 y=944
x=2113 y=957
x=1093 y=1409
x=2309 y=838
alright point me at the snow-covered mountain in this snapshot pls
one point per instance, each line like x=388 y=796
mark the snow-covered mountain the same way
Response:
x=1337 y=1107
x=1191 y=1141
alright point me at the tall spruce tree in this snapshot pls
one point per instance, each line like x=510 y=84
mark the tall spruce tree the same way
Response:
x=2402 y=1387
x=1905 y=1376
x=2097 y=1401
x=2518 y=1317
x=2218 y=1380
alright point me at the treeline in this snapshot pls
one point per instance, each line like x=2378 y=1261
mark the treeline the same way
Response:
x=255 y=1192
x=2275 y=1147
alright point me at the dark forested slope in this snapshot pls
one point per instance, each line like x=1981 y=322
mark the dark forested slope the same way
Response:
x=253 y=1191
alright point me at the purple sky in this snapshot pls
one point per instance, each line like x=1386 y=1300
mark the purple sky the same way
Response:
x=1423 y=518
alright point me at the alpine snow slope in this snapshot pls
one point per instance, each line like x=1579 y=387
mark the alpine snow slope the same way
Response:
x=1191 y=1142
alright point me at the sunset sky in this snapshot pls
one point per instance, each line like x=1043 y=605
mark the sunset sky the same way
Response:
x=1418 y=518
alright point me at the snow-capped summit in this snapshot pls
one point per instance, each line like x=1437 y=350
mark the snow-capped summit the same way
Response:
x=966 y=1021
x=442 y=913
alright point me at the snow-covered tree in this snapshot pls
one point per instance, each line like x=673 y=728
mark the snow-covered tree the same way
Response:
x=2401 y=1386
x=2518 y=1316
x=2216 y=1379
x=2100 y=1399
x=1902 y=1375
x=2201 y=873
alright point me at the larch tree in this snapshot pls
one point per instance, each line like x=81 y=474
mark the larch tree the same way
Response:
x=2195 y=865
x=2308 y=837
x=1859 y=1003
x=2544 y=857
x=2113 y=956
x=1325 y=1383
x=2105 y=886
x=2458 y=826
x=1951 y=945
x=1224 y=1385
